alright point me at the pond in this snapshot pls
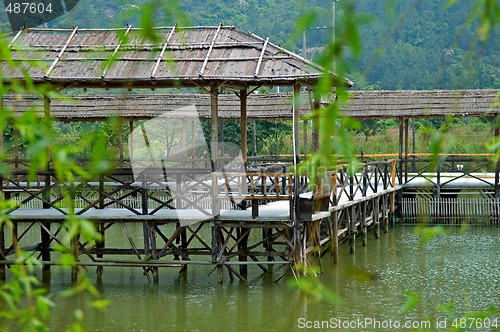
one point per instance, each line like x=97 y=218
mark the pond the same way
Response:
x=445 y=278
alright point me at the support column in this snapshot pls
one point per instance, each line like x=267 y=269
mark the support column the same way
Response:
x=296 y=155
x=120 y=140
x=315 y=126
x=45 y=237
x=376 y=222
x=214 y=148
x=497 y=168
x=305 y=138
x=334 y=235
x=131 y=139
x=243 y=125
x=406 y=150
x=385 y=223
x=413 y=168
x=400 y=168
x=254 y=138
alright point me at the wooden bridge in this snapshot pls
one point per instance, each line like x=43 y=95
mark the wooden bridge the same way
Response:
x=200 y=224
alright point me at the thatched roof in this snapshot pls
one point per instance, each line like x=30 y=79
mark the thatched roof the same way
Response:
x=190 y=56
x=362 y=105
x=421 y=103
x=138 y=106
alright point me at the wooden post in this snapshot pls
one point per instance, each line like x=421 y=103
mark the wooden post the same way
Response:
x=214 y=120
x=305 y=138
x=45 y=237
x=392 y=209
x=221 y=137
x=131 y=138
x=363 y=223
x=120 y=140
x=214 y=147
x=334 y=235
x=244 y=234
x=296 y=154
x=351 y=230
x=376 y=222
x=243 y=125
x=100 y=246
x=153 y=251
x=413 y=168
x=254 y=138
x=315 y=126
x=145 y=211
x=385 y=223
x=497 y=168
x=400 y=175
x=74 y=250
x=406 y=150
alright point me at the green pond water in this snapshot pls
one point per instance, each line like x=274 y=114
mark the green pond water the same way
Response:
x=460 y=271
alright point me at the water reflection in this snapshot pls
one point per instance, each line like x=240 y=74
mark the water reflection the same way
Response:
x=457 y=269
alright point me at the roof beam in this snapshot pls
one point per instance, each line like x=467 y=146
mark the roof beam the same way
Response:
x=75 y=30
x=202 y=70
x=112 y=58
x=160 y=57
x=259 y=62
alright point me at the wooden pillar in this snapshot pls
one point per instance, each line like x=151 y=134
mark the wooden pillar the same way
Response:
x=254 y=138
x=385 y=221
x=100 y=246
x=153 y=251
x=400 y=170
x=364 y=230
x=131 y=138
x=44 y=235
x=413 y=168
x=376 y=222
x=120 y=140
x=74 y=249
x=334 y=235
x=214 y=120
x=406 y=150
x=304 y=123
x=244 y=234
x=221 y=138
x=392 y=211
x=497 y=168
x=315 y=126
x=243 y=125
x=351 y=229
x=296 y=155
x=214 y=147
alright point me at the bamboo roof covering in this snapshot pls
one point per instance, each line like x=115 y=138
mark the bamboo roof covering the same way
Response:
x=362 y=105
x=137 y=107
x=188 y=57
x=421 y=103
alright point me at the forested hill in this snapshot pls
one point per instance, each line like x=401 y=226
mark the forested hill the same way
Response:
x=427 y=49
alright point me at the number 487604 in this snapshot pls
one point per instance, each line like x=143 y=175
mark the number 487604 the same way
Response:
x=28 y=8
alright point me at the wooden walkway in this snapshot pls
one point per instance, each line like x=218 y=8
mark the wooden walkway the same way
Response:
x=276 y=227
